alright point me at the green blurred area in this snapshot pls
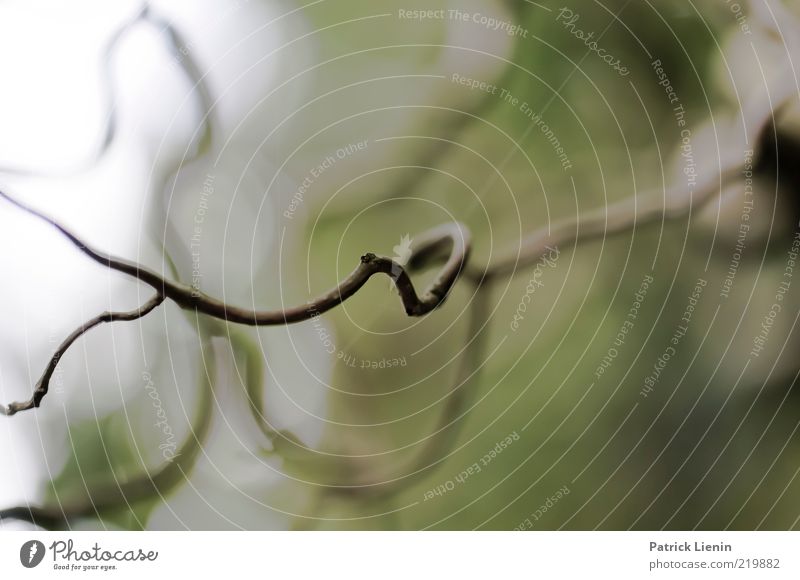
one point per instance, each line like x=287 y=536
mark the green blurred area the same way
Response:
x=691 y=454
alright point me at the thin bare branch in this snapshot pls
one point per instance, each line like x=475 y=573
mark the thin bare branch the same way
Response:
x=428 y=249
x=43 y=385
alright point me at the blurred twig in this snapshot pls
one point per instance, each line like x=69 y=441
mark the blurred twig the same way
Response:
x=110 y=130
